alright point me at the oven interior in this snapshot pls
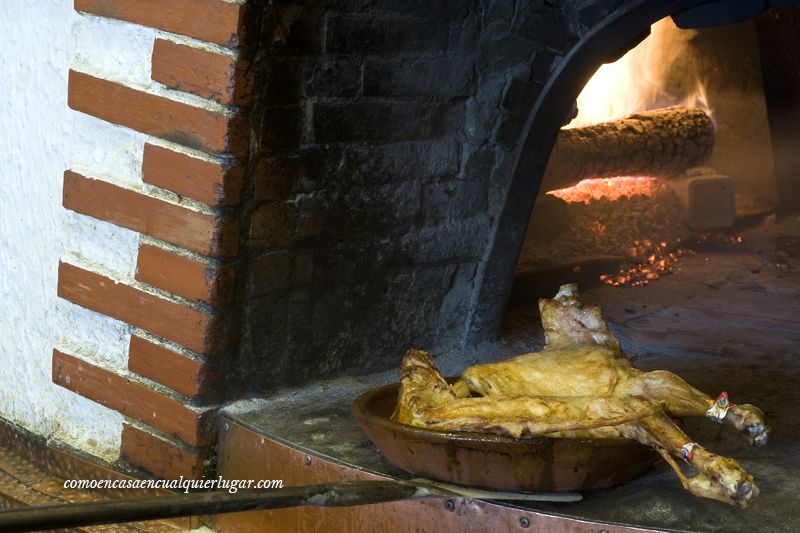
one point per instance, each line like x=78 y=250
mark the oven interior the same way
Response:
x=695 y=268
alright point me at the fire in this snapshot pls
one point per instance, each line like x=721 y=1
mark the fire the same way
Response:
x=644 y=79
x=611 y=189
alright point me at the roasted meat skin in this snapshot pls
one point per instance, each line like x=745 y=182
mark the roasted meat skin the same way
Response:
x=580 y=386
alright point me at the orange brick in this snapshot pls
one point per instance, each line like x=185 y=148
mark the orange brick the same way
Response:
x=171 y=369
x=217 y=77
x=214 y=21
x=198 y=331
x=211 y=183
x=185 y=277
x=161 y=457
x=158 y=116
x=132 y=399
x=198 y=232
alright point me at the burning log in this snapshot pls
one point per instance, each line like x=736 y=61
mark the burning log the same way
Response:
x=662 y=142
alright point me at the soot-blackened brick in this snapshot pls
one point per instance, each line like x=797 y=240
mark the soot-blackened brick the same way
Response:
x=453 y=199
x=462 y=240
x=271 y=272
x=393 y=159
x=543 y=64
x=504 y=52
x=520 y=96
x=272 y=226
x=451 y=9
x=441 y=77
x=551 y=26
x=383 y=121
x=380 y=209
x=500 y=9
x=463 y=36
x=282 y=127
x=291 y=30
x=378 y=33
x=332 y=77
x=282 y=82
x=389 y=163
x=455 y=303
x=512 y=125
x=479 y=163
x=274 y=178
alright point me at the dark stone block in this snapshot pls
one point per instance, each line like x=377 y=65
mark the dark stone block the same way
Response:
x=281 y=83
x=443 y=77
x=388 y=163
x=374 y=209
x=482 y=112
x=332 y=77
x=377 y=33
x=282 y=128
x=278 y=271
x=263 y=339
x=457 y=242
x=275 y=178
x=464 y=37
x=503 y=167
x=543 y=65
x=272 y=226
x=479 y=163
x=500 y=9
x=270 y=272
x=292 y=30
x=451 y=9
x=509 y=133
x=504 y=52
x=386 y=121
x=520 y=96
x=548 y=26
x=592 y=13
x=340 y=5
x=453 y=199
x=456 y=301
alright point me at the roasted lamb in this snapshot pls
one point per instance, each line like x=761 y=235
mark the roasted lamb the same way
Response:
x=582 y=386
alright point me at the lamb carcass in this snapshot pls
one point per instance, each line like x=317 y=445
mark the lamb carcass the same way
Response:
x=582 y=386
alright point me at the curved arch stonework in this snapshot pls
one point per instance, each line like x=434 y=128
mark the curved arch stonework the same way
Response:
x=606 y=41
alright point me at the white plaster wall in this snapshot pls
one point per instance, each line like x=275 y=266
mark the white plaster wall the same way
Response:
x=40 y=137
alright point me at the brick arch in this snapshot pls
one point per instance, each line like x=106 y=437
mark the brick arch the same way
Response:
x=609 y=39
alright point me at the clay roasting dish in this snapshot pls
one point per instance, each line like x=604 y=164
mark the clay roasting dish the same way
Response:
x=495 y=461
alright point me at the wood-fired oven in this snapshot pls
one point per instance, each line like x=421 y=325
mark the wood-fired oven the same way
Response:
x=422 y=172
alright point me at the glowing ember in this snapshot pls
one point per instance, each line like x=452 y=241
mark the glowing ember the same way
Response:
x=649 y=261
x=600 y=218
x=652 y=261
x=611 y=189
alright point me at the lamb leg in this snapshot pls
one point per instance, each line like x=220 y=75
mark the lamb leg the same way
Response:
x=681 y=399
x=719 y=478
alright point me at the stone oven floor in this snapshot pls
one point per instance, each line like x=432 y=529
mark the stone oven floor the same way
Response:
x=727 y=321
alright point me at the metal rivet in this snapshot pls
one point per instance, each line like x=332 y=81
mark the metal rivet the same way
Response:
x=450 y=505
x=226 y=426
x=525 y=522
x=308 y=459
x=603 y=531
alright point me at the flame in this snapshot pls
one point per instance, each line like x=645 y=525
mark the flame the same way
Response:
x=656 y=73
x=588 y=190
